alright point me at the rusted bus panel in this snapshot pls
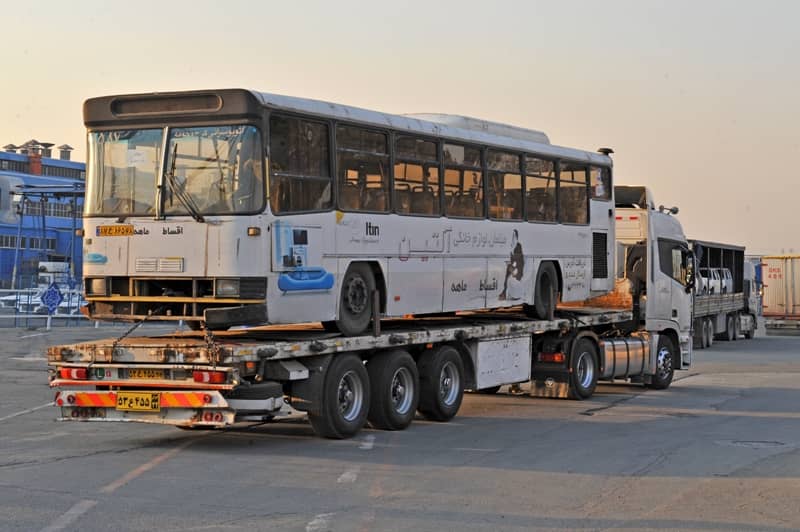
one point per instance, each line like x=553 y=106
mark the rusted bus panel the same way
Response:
x=619 y=299
x=781 y=277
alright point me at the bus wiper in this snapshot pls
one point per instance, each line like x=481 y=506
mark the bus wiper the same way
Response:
x=180 y=192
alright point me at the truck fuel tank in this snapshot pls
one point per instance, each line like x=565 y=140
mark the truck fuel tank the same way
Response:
x=624 y=357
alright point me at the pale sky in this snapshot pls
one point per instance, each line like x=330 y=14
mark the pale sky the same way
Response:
x=699 y=99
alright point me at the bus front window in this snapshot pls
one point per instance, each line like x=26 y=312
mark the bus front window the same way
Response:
x=216 y=169
x=123 y=166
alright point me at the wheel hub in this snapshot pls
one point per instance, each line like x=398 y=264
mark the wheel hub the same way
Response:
x=356 y=296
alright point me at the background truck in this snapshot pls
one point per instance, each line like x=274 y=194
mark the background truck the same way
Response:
x=781 y=276
x=641 y=332
x=731 y=308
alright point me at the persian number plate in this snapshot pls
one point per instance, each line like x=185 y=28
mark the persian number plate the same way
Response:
x=115 y=230
x=139 y=401
x=146 y=374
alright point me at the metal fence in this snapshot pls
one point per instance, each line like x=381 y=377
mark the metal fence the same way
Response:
x=24 y=308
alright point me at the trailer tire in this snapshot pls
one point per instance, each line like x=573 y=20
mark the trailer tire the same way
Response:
x=751 y=331
x=394 y=383
x=355 y=300
x=344 y=401
x=706 y=334
x=441 y=379
x=665 y=364
x=583 y=369
x=737 y=327
x=545 y=293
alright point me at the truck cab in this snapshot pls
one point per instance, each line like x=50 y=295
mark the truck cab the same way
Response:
x=653 y=255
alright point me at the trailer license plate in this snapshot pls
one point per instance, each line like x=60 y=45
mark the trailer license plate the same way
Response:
x=146 y=374
x=139 y=401
x=114 y=230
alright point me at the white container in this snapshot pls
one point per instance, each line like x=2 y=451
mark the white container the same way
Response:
x=781 y=277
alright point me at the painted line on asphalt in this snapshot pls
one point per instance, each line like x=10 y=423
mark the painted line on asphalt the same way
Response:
x=349 y=476
x=28 y=411
x=368 y=443
x=30 y=359
x=71 y=515
x=32 y=335
x=320 y=522
x=147 y=466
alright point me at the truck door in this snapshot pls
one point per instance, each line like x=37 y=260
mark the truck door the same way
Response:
x=674 y=258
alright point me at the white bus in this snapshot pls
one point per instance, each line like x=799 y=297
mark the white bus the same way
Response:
x=230 y=207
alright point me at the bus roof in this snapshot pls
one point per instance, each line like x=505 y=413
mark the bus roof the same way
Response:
x=471 y=130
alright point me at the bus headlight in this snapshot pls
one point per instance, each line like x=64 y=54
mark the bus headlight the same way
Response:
x=227 y=288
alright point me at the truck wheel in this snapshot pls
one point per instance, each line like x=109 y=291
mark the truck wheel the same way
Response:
x=729 y=335
x=583 y=369
x=710 y=332
x=706 y=334
x=355 y=300
x=665 y=364
x=394 y=383
x=737 y=326
x=545 y=294
x=344 y=401
x=441 y=379
x=751 y=331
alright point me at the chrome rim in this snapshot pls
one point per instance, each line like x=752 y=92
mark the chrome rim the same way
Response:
x=350 y=395
x=585 y=369
x=664 y=363
x=449 y=383
x=402 y=390
x=356 y=295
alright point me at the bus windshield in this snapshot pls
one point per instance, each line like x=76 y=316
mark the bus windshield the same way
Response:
x=213 y=169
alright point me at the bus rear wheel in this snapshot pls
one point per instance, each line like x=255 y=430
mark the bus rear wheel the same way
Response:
x=545 y=293
x=355 y=300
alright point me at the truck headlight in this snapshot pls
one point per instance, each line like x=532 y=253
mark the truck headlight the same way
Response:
x=227 y=288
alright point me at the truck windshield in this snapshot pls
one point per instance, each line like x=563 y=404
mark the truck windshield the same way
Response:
x=218 y=168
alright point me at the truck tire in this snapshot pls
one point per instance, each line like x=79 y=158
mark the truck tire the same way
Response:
x=394 y=384
x=704 y=334
x=344 y=401
x=710 y=332
x=729 y=335
x=583 y=368
x=545 y=293
x=441 y=380
x=355 y=300
x=665 y=364
x=751 y=331
x=737 y=326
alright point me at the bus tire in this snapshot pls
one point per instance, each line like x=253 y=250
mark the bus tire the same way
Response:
x=394 y=384
x=583 y=369
x=344 y=401
x=545 y=292
x=441 y=383
x=355 y=300
x=665 y=364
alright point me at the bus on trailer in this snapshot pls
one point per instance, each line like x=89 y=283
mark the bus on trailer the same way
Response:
x=232 y=207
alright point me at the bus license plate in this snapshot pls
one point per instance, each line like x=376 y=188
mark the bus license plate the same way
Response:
x=114 y=230
x=139 y=401
x=146 y=374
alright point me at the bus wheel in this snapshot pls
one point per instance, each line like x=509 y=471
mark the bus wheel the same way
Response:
x=394 y=383
x=355 y=301
x=441 y=380
x=583 y=369
x=344 y=401
x=545 y=294
x=665 y=364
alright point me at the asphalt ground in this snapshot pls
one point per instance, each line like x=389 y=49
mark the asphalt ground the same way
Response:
x=719 y=450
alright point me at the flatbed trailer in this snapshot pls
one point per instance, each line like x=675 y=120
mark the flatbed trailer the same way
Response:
x=208 y=380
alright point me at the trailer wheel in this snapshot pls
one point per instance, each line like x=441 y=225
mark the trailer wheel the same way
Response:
x=665 y=364
x=344 y=401
x=355 y=300
x=705 y=341
x=441 y=379
x=583 y=369
x=545 y=294
x=394 y=383
x=737 y=326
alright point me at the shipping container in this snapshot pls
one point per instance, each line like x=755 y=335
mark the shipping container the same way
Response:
x=781 y=274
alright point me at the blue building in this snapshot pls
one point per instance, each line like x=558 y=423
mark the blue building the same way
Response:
x=41 y=200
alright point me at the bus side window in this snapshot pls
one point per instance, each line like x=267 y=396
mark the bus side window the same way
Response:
x=505 y=186
x=573 y=207
x=417 y=184
x=463 y=181
x=600 y=182
x=363 y=165
x=540 y=186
